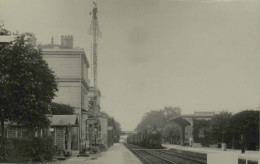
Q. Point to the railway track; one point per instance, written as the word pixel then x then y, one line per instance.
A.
pixel 196 157
pixel 181 158
pixel 160 156
pixel 151 158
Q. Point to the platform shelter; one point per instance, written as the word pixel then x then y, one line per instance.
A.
pixel 186 123
pixel 63 127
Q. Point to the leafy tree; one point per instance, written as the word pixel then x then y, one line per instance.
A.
pixel 220 124
pixel 159 118
pixel 170 112
pixel 118 130
pixel 61 109
pixel 150 119
pixel 3 115
pixel 3 31
pixel 170 131
pixel 27 84
pixel 202 132
pixel 246 123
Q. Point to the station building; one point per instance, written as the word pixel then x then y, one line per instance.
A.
pixel 86 127
pixel 70 65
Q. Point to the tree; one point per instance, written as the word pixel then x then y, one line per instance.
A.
pixel 27 84
pixel 61 109
pixel 159 118
pixel 3 115
pixel 150 119
pixel 246 123
pixel 170 131
pixel 202 132
pixel 170 112
pixel 220 124
pixel 118 130
pixel 3 31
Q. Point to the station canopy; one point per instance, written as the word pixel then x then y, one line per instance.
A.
pixel 180 120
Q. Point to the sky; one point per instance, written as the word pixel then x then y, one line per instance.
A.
pixel 197 55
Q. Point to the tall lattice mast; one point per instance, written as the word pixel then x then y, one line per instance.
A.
pixel 94 30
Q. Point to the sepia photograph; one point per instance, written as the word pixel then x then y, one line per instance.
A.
pixel 130 81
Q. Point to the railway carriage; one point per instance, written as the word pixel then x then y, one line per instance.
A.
pixel 146 139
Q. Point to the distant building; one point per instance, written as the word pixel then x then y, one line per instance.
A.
pixel 70 65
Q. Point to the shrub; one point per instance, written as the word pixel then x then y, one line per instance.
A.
pixel 206 139
pixel 14 150
pixel 42 149
pixel 17 150
pixel 61 109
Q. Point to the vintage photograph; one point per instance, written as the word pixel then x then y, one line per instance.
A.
pixel 130 81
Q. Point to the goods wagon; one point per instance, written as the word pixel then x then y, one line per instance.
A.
pixel 146 139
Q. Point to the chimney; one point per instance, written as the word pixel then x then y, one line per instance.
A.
pixel 67 41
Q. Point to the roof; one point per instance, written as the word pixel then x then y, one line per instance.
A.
pixel 182 119
pixel 57 47
pixel 182 116
pixel 191 116
pixel 64 120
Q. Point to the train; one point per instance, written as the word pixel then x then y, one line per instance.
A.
pixel 151 140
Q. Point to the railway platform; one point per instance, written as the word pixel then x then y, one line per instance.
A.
pixel 216 156
pixel 116 154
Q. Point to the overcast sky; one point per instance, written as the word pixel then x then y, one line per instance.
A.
pixel 197 55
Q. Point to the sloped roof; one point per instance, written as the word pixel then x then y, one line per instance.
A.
pixel 64 120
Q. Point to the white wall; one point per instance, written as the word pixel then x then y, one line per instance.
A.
pixel 69 93
pixel 64 66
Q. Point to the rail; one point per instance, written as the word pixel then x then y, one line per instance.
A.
pixel 194 158
pixel 152 156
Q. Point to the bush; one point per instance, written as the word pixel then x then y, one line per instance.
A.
pixel 17 150
pixel 14 150
pixel 42 149
pixel 61 109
